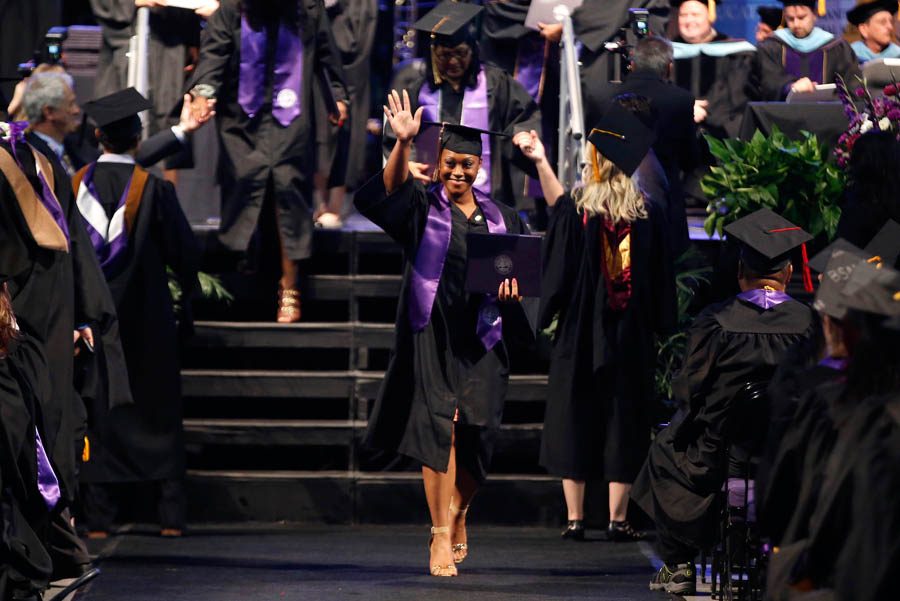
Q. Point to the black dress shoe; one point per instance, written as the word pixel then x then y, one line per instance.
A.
pixel 574 530
pixel 622 532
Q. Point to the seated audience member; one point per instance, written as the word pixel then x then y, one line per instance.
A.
pixel 871 200
pixel 138 232
pixel 676 146
pixel 854 510
pixel 769 20
pixel 875 22
pixel 716 69
pixel 732 343
pixel 800 56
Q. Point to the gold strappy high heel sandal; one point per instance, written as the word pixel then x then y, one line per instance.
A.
pixel 288 305
pixel 460 550
pixel 437 569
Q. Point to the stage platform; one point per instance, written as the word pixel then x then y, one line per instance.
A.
pixel 272 561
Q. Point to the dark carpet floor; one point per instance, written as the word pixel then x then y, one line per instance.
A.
pixel 261 562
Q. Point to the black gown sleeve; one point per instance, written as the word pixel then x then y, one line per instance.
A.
pixel 662 274
pixel 562 249
pixel 157 147
pixel 327 55
pixel 180 249
pixel 216 46
pixel 519 113
pixel 396 213
pixel 115 11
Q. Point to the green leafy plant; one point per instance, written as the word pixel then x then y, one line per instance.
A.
pixel 211 287
pixel 790 177
pixel 691 271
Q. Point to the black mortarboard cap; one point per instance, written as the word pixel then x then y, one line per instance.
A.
pixel 770 15
pixel 461 138
pixel 767 240
pixel 819 262
pixel 622 138
pixel 449 22
pixel 886 243
pixel 873 288
pixel 116 107
pixel 835 275
pixel 861 13
pixel 816 5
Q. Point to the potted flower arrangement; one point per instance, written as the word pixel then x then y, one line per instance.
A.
pixel 879 113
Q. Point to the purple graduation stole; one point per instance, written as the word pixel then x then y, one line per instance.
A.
pixel 429 265
pixel 763 298
pixel 48 483
pixel 474 114
pixel 287 83
pixel 47 223
pixel 529 71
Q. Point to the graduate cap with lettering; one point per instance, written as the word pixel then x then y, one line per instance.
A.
pixel 873 288
pixel 767 240
pixel 863 12
pixel 117 113
pixel 820 261
pixel 622 138
pixel 770 15
pixel 835 275
pixel 816 5
pixel 449 23
pixel 885 245
pixel 710 5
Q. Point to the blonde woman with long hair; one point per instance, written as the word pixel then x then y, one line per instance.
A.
pixel 607 279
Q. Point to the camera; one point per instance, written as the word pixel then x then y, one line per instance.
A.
pixel 50 52
pixel 640 21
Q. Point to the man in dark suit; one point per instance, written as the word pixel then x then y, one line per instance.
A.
pixel 676 145
pixel 55 130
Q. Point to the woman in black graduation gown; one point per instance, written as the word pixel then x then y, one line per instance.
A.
pixel 607 275
pixel 259 58
pixel 441 401
pixel 458 88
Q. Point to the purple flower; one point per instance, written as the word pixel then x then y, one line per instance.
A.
pixel 894 114
pixel 860 92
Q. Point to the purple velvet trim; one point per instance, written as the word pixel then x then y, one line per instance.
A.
pixel 288 74
pixel 837 364
pixel 46 195
pixel 765 299
pixel 48 484
pixel 794 64
pixel 474 114
pixel 109 252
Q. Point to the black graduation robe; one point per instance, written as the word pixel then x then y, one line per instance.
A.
pixel 503 37
pixel 599 21
pixel 510 110
pixel 726 82
pixel 862 218
pixel 779 66
pixel 260 152
pixel 56 293
pixel 730 343
pixel 172 32
pixel 24 387
pixel 444 367
pixel 144 441
pixel 602 361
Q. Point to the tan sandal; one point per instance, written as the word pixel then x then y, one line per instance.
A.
pixel 437 569
pixel 459 547
pixel 288 305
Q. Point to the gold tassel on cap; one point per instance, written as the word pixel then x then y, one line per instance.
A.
pixel 712 10
pixel 821 8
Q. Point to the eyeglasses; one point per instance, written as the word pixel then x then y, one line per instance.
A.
pixel 447 55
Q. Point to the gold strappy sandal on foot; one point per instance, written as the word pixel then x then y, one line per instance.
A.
pixel 460 550
pixel 288 305
pixel 437 569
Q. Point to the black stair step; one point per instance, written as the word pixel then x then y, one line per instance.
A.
pixel 213 383
pixel 346 287
pixel 261 335
pixel 309 432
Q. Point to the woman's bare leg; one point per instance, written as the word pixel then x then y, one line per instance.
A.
pixel 618 501
pixel 573 490
pixel 438 491
pixel 464 490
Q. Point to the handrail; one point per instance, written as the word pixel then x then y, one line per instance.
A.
pixel 571 109
pixel 138 55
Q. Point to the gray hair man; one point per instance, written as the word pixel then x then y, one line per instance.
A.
pixel 52 111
